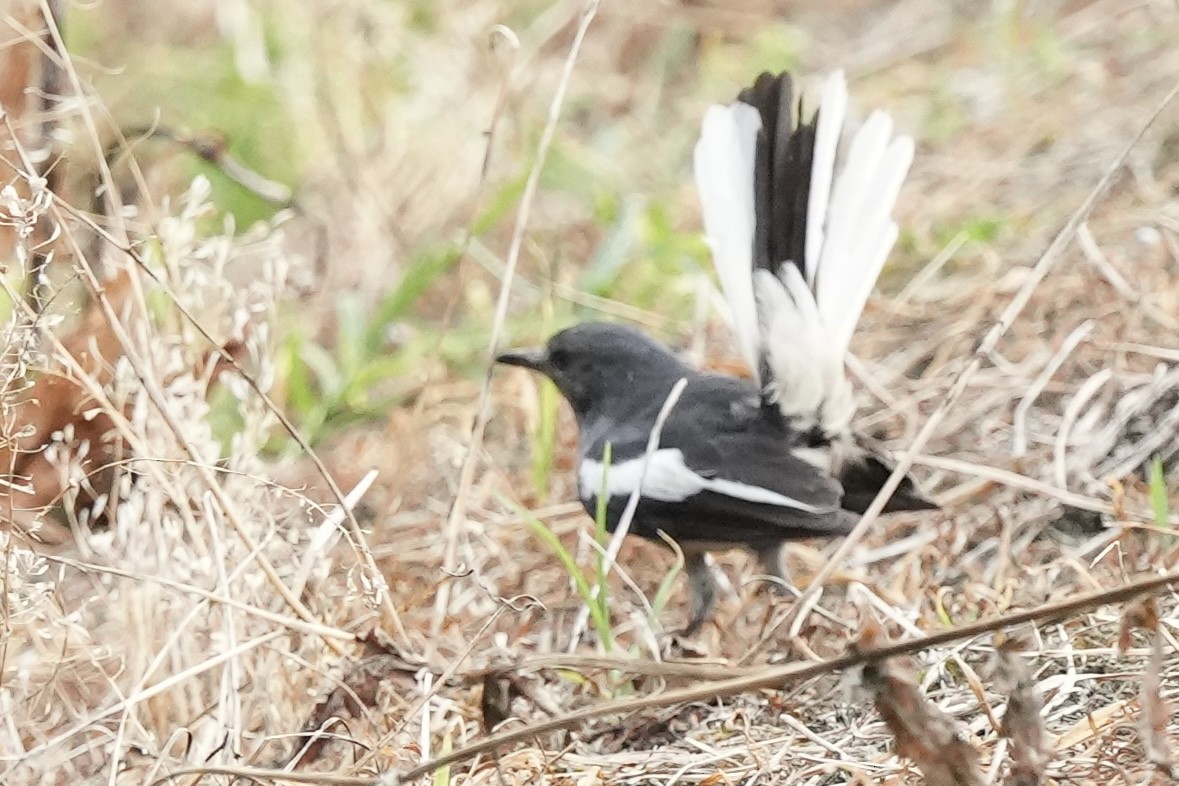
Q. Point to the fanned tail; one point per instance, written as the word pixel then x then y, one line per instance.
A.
pixel 797 245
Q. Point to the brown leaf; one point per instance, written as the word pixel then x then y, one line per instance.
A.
pixel 924 734
pixel 1022 723
pixel 58 403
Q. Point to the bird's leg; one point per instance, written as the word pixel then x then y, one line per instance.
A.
pixel 702 587
pixel 774 565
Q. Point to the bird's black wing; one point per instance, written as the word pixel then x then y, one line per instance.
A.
pixel 725 472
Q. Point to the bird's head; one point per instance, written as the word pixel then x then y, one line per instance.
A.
pixel 596 365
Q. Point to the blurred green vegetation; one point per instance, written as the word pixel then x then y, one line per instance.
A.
pixel 625 228
pixel 638 252
pixel 199 89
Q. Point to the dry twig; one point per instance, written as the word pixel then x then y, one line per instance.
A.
pixel 777 676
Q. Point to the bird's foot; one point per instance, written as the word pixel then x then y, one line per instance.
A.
pixel 703 592
pixel 776 576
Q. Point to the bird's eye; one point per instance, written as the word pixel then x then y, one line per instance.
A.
pixel 559 358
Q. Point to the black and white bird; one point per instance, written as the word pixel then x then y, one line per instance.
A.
pixel 798 245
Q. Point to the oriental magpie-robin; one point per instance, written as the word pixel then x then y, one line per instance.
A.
pixel 797 246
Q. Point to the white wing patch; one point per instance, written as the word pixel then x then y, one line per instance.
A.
pixel 670 479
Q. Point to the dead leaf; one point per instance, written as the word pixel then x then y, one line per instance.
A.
pixel 1022 723
pixel 923 733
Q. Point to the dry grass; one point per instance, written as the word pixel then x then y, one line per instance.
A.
pixel 223 610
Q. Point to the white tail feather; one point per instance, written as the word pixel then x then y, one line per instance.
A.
pixel 882 193
pixel 858 290
pixel 877 235
pixel 836 265
pixel 724 162
pixel 861 205
pixel 832 110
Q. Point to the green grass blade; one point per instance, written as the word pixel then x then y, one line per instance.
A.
pixel 600 619
pixel 422 271
pixel 1159 501
pixel 601 531
pixel 663 592
pixel 544 446
pixel 350 349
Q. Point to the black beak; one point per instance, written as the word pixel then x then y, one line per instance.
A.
pixel 535 358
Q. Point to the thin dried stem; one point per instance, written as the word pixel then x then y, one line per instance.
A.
pixel 778 676
pixel 458 508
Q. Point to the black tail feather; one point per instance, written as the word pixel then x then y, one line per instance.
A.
pixel 782 180
pixel 863 475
